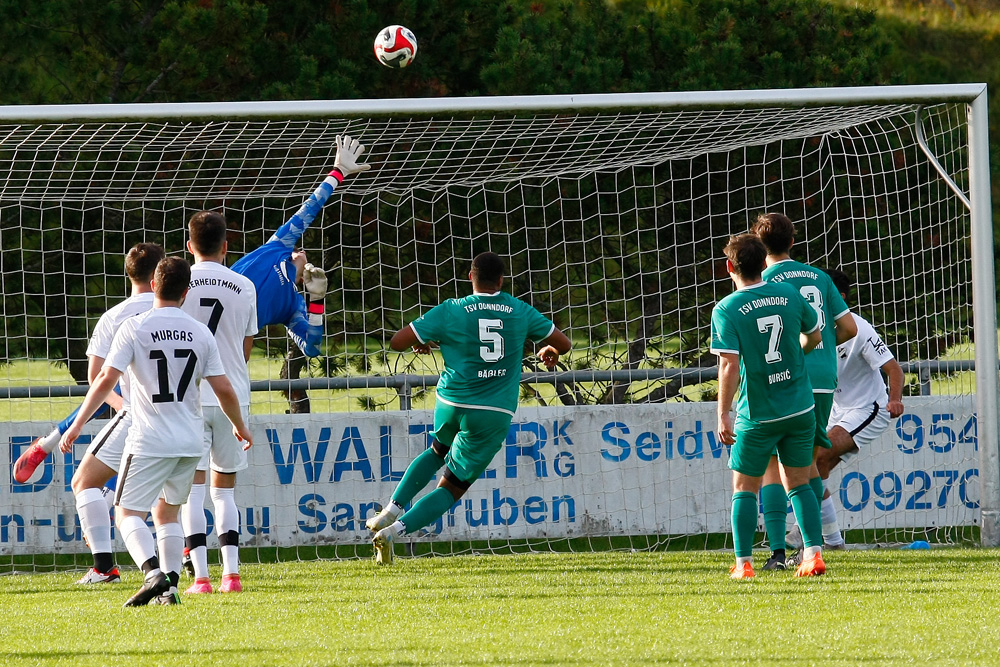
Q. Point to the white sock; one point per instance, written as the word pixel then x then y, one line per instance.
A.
pixel 393 509
pixel 740 560
pixel 109 498
pixel 831 529
pixel 809 552
pixel 94 520
pixel 227 518
pixel 398 528
pixel 194 523
pixel 170 541
pixel 138 540
pixel 50 442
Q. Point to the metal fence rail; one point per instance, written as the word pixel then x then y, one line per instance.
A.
pixel 406 383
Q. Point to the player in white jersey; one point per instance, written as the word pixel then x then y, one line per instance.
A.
pixel 101 461
pixel 862 406
pixel 226 302
pixel 167 353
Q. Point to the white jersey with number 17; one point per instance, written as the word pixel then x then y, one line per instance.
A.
pixel 226 303
pixel 168 353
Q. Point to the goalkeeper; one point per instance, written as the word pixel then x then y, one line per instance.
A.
pixel 274 268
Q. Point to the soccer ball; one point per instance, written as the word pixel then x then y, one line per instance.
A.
pixel 395 46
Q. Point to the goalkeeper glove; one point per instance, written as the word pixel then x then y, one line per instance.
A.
pixel 314 280
pixel 348 152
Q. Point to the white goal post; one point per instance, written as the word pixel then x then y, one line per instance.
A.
pixel 612 211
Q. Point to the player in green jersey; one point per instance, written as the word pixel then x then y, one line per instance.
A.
pixel 778 234
pixel 482 339
pixel 759 333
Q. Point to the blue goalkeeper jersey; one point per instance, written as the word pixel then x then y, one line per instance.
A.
pixel 270 269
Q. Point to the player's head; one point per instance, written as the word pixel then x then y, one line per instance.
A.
pixel 487 271
pixel 777 232
pixel 172 278
pixel 141 261
pixel 207 234
pixel 747 256
pixel 841 281
pixel 299 260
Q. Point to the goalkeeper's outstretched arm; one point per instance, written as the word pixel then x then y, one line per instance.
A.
pixel 346 164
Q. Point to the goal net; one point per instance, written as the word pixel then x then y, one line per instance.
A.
pixel 611 212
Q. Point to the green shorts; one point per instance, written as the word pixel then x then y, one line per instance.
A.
pixel 824 404
pixel 473 437
pixel 757 442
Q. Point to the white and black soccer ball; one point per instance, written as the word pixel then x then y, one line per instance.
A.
pixel 395 46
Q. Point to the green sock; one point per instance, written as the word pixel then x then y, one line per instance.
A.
pixel 427 509
pixel 816 483
pixel 744 522
pixel 807 515
pixel 775 506
pixel 417 474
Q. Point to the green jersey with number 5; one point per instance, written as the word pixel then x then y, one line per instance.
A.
pixel 761 323
pixel 818 289
pixel 482 339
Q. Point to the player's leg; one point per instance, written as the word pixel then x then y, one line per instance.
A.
pixel 98 466
pixel 140 480
pixel 821 441
pixel 850 430
pixel 40 448
pixel 481 434
pixel 774 505
pixel 195 527
pixel 166 518
pixel 796 459
pixel 195 524
pixel 422 469
pixel 227 459
pixel 748 460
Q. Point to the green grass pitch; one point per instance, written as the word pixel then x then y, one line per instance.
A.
pixel 879 607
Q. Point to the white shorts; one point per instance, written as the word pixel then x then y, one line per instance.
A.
pixel 141 479
pixel 222 449
pixel 864 424
pixel 108 446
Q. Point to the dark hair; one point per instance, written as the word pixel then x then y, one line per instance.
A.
pixel 207 230
pixel 776 231
pixel 747 254
pixel 141 261
pixel 173 275
pixel 487 269
pixel 841 280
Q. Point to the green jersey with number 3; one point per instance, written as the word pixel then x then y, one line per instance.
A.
pixel 818 289
pixel 482 339
pixel 761 323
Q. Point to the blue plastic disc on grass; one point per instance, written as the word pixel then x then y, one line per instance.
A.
pixel 918 544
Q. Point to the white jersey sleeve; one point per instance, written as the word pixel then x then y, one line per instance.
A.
pixel 859 363
pixel 225 302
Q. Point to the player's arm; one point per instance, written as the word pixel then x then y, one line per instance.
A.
pixel 306 326
pixel 230 405
pixel 94 365
pixel 894 372
pixel 555 344
pixel 247 347
pixel 345 164
pixel 845 327
pixel 96 395
pixel 406 338
pixel 729 382
pixel 810 340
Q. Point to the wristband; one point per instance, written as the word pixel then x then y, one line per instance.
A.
pixel 315 308
pixel 337 174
